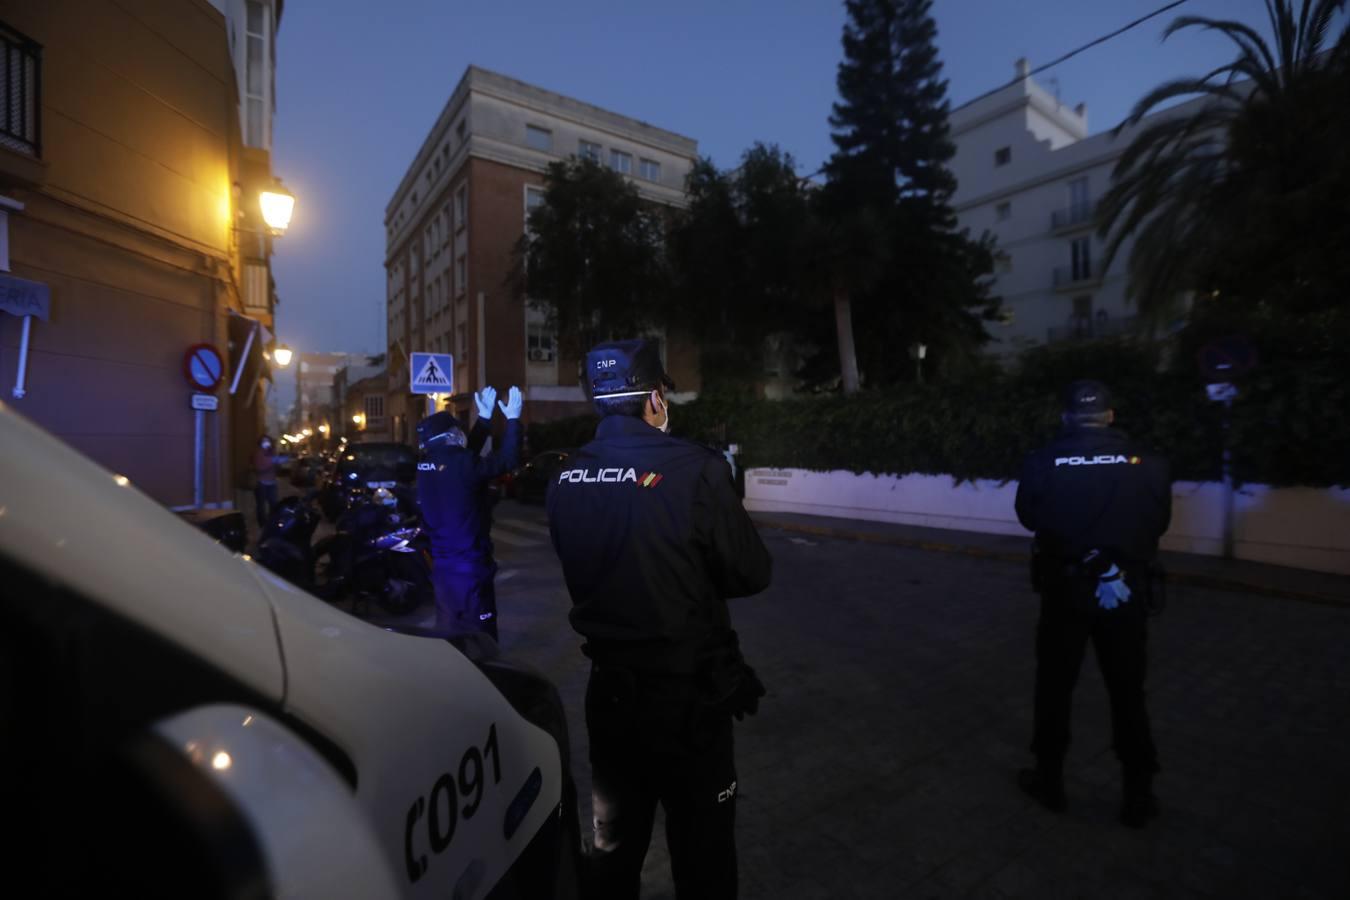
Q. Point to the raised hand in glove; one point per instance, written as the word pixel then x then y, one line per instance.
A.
pixel 485 400
pixel 514 403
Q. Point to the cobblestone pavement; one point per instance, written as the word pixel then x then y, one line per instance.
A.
pixel 882 763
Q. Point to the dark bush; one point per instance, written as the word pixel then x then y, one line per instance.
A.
pixel 1289 423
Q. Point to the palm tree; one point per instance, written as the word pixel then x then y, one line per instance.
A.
pixel 1242 195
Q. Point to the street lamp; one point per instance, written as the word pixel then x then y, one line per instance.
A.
pixel 358 420
pixel 323 429
pixel 307 432
pixel 277 204
pixel 918 352
pixel 282 355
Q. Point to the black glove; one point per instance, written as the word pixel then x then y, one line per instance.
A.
pixel 744 700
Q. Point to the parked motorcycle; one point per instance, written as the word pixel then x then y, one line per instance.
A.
pixel 284 545
pixel 380 553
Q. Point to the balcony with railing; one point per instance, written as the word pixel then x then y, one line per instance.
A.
pixel 1080 215
pixel 1086 328
pixel 20 93
pixel 1072 278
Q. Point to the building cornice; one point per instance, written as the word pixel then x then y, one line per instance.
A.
pixel 516 157
pixel 477 80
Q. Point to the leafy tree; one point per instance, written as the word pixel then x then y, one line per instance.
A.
pixel 896 255
pixel 1242 197
pixel 738 258
pixel 592 256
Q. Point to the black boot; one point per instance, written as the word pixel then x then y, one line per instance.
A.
pixel 1138 805
pixel 1045 784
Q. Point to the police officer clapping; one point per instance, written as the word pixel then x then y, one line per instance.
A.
pixel 653 540
pixel 452 491
pixel 1098 504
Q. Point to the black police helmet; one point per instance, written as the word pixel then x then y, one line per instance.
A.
pixel 439 428
pixel 1087 398
pixel 625 369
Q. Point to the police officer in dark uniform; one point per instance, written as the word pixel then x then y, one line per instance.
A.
pixel 457 511
pixel 1098 503
pixel 653 541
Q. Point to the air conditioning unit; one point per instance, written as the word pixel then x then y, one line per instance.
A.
pixel 539 354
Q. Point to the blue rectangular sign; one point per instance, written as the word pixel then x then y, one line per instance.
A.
pixel 432 373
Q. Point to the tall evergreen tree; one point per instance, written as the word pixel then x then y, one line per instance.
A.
pixel 890 126
pixel 923 280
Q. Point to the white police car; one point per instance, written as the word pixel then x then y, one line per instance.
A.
pixel 176 721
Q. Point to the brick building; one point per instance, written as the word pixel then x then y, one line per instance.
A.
pixel 453 223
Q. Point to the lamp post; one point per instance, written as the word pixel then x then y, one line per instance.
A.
pixel 918 352
pixel 276 204
pixel 282 355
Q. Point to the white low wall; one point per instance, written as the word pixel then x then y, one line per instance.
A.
pixel 1302 527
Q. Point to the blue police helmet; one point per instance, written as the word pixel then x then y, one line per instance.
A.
pixel 440 429
pixel 1087 398
pixel 625 369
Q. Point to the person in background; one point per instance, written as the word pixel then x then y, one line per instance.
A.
pixel 1098 503
pixel 264 480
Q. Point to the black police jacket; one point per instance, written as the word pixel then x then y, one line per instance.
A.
pixel 1094 488
pixel 452 492
pixel 653 540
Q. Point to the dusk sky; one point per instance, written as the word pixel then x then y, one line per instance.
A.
pixel 359 86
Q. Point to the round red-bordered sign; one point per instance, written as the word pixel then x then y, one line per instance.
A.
pixel 203 368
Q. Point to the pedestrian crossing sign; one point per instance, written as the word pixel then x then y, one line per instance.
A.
pixel 432 373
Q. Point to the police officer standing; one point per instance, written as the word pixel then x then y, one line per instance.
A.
pixel 1098 504
pixel 653 541
pixel 457 511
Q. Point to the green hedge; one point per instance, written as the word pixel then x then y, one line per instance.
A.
pixel 1289 425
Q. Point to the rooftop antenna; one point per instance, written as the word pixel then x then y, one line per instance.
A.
pixel 1053 80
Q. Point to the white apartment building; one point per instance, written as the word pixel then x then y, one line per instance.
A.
pixel 453 223
pixel 1028 171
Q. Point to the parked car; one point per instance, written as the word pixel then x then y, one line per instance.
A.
pixel 306 471
pixel 363 468
pixel 529 483
pixel 238 736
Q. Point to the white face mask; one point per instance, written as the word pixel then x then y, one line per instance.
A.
pixel 665 408
pixel 267 445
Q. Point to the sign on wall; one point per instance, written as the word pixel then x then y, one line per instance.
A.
pixel 21 297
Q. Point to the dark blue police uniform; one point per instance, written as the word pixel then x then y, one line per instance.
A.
pixel 1095 500
pixel 653 541
pixel 457 512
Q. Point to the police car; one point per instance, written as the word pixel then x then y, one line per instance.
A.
pixel 176 721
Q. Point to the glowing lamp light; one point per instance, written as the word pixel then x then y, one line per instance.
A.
pixel 282 355
pixel 323 429
pixel 307 432
pixel 221 761
pixel 277 205
pixel 358 419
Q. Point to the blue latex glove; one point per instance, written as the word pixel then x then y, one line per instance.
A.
pixel 514 403
pixel 485 399
pixel 1111 588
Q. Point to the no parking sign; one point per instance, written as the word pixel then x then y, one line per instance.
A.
pixel 202 367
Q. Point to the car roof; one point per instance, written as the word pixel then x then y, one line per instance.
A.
pixel 74 523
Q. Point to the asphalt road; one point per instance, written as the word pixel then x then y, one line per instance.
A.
pixel 882 763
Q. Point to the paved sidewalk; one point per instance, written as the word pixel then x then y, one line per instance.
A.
pixel 1182 568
